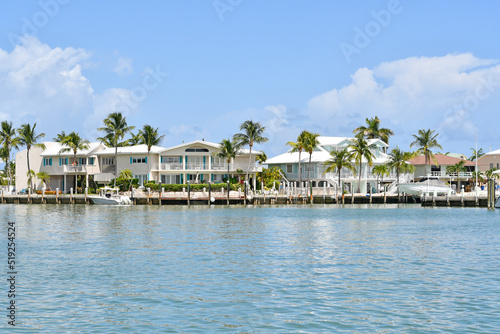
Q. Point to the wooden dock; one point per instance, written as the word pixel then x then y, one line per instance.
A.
pixel 438 201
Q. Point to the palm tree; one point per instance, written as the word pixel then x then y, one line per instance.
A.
pixel 373 130
pixel 28 137
pixel 261 158
pixel 60 137
pixel 475 154
pixel 150 137
pixel 253 134
pixel 228 150
pixel 135 139
pixel 479 175
pixel 380 171
pixel 298 147
pixel 489 174
pixel 457 169
pixel 74 142
pixel 339 160
pixel 360 149
pixel 398 160
pixel 30 174
pixel 425 141
pixel 44 177
pixel 115 128
pixel 8 140
pixel 310 143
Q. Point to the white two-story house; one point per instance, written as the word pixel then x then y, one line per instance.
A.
pixel 289 163
pixel 197 162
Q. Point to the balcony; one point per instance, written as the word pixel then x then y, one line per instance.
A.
pixel 462 175
pixel 78 169
pixel 171 166
pixel 204 167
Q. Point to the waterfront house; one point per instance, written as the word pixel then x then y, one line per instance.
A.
pixel 61 166
pixel 439 170
pixel 196 162
pixel 135 158
pixel 289 163
pixel 490 160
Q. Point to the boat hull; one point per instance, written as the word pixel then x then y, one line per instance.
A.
pixel 418 189
pixel 99 200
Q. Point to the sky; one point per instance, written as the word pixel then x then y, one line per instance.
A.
pixel 198 69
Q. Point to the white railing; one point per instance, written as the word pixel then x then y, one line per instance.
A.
pixel 444 174
pixel 75 169
pixel 170 166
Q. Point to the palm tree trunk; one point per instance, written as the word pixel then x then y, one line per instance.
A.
pixel 341 189
pixel 300 170
pixel 116 163
pixel 8 168
pixel 76 178
pixel 359 184
pixel 28 160
pixel 309 176
pixel 249 163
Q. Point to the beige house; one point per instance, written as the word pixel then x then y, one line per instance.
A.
pixel 196 162
pixel 61 166
pixel 490 160
pixel 135 158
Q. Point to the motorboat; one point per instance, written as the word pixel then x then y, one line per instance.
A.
pixel 110 196
pixel 427 185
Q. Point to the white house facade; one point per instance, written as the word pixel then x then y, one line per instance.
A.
pixel 289 163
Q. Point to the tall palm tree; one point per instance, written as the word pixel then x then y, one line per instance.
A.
pixel 149 136
pixel 339 160
pixel 380 171
pixel 457 169
pixel 489 174
pixel 8 140
pixel 135 139
pixel 228 149
pixel 360 149
pixel 475 154
pixel 372 130
pixel 115 128
pixel 398 161
pixel 425 141
pixel 310 143
pixel 60 137
pixel 28 137
pixel 73 143
pixel 253 134
pixel 298 146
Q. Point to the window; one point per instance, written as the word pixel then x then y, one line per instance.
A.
pixel 83 161
pixel 143 178
pixel 138 160
pixel 171 179
pixel 47 161
pixel 108 161
pixel 309 168
pixel 91 161
pixel 170 160
pixel 491 165
pixel 63 161
pixel 289 169
pixel 196 150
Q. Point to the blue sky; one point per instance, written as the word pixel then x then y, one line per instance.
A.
pixel 198 69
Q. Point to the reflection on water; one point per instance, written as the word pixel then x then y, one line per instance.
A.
pixel 261 270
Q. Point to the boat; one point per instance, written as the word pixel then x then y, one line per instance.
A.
pixel 110 196
pixel 427 185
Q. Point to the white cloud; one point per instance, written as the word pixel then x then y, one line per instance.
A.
pixel 450 94
pixel 44 85
pixel 123 66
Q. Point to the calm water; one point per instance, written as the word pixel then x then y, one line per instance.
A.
pixel 92 269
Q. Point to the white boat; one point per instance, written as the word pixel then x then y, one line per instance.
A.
pixel 427 185
pixel 110 196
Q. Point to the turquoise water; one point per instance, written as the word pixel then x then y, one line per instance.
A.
pixel 295 269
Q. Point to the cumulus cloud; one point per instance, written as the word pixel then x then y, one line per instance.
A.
pixel 450 94
pixel 46 85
